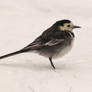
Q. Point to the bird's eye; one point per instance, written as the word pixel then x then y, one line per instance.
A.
pixel 68 25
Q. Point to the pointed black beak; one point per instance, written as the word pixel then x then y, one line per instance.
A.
pixel 76 26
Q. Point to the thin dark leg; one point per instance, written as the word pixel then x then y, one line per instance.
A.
pixel 51 62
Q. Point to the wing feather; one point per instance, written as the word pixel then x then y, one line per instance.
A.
pixel 38 44
pixel 54 42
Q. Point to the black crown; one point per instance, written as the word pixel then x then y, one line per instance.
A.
pixel 62 22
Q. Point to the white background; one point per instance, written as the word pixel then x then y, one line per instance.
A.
pixel 21 21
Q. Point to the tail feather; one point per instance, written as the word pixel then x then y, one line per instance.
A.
pixel 11 54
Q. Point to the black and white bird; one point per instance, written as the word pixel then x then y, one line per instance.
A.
pixel 54 42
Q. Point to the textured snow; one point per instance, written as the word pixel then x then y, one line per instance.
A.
pixel 21 21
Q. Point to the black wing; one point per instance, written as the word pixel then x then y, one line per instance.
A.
pixel 48 38
pixel 38 44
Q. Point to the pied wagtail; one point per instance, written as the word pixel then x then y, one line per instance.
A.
pixel 53 42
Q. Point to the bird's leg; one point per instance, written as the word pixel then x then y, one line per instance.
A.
pixel 51 62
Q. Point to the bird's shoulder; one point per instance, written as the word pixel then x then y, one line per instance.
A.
pixel 57 35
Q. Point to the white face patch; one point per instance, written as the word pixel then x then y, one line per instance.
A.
pixel 66 27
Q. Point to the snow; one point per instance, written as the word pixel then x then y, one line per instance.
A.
pixel 21 21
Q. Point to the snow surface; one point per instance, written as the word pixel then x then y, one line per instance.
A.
pixel 21 21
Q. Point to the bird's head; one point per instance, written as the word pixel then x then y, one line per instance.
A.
pixel 66 25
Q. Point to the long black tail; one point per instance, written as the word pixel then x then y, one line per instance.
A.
pixel 11 54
